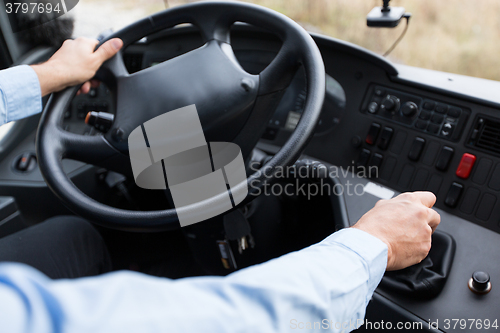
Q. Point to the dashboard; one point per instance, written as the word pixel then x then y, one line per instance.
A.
pixel 419 137
pixel 420 129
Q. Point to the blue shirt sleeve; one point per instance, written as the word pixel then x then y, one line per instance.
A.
pixel 326 285
pixel 20 93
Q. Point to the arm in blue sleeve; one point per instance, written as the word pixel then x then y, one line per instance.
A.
pixel 20 93
pixel 329 283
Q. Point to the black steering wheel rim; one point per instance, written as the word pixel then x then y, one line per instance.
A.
pixel 53 144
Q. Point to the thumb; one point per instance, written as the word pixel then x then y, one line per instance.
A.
pixel 109 49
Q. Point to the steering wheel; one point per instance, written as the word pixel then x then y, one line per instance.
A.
pixel 233 105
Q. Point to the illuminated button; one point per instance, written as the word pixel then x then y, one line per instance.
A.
pixel 372 134
pixel 24 162
pixel 465 166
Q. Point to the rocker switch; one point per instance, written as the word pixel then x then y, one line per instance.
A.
pixel 453 194
pixel 444 158
pixel 416 149
pixel 385 138
pixel 372 134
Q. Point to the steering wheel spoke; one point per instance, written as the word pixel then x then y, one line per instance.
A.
pixel 112 69
pixel 279 73
pixel 92 149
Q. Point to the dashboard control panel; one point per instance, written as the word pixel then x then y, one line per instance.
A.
pixel 418 112
pixel 413 141
pixel 465 182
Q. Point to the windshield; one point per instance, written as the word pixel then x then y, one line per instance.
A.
pixel 450 36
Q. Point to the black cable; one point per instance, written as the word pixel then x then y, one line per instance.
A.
pixel 407 17
pixel 385 7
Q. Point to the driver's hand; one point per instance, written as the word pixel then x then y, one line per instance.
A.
pixel 405 223
pixel 85 89
pixel 74 63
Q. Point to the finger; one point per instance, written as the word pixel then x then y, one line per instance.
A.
pixel 90 41
pixel 85 88
pixel 95 83
pixel 109 49
pixel 428 199
pixel 433 219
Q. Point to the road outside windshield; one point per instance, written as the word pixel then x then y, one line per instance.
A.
pixel 459 36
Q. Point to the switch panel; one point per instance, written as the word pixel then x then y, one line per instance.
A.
pixel 418 112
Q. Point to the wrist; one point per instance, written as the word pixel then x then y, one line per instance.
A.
pixel 50 77
pixel 390 257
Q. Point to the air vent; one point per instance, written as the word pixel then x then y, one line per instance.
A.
pixel 133 62
pixel 486 135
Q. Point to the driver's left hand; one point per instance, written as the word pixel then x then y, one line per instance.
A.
pixel 74 63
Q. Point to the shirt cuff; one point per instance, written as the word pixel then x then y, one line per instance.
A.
pixel 372 250
pixel 22 92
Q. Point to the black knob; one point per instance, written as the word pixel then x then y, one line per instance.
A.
pixel 480 282
pixel 390 103
pixel 356 141
pixel 409 109
pixel 118 134
pixel 100 120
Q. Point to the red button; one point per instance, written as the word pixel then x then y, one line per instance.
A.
pixel 372 134
pixel 465 166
